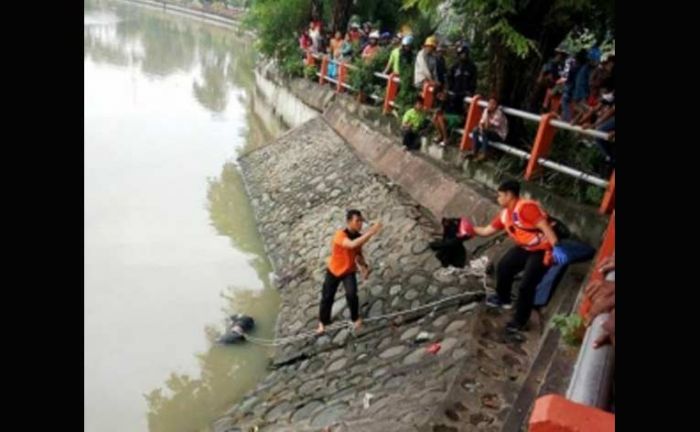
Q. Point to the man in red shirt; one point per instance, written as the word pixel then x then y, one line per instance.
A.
pixel 535 249
pixel 346 251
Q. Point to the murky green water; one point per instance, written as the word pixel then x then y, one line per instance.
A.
pixel 170 242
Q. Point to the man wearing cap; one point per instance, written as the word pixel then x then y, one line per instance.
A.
pixel 385 39
pixel 346 256
pixel 398 54
pixel 425 68
pixel 372 48
pixel 461 81
pixel 354 33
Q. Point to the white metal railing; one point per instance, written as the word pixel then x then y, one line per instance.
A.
pixel 548 163
pixel 537 118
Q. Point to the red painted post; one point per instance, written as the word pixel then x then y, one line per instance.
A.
pixel 342 74
pixel 324 69
pixel 540 148
pixel 554 413
pixel 310 60
pixel 392 88
pixel 608 203
pixel 428 88
pixel 606 249
pixel 472 120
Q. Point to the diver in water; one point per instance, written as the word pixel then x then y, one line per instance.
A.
pixel 240 325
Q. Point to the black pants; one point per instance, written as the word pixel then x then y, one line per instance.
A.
pixel 411 139
pixel 515 260
pixel 330 286
pixel 481 139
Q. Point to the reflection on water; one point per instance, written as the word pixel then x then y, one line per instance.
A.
pixel 191 404
pixel 171 246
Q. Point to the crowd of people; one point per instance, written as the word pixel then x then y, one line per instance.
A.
pixel 363 42
pixel 578 87
pixel 452 83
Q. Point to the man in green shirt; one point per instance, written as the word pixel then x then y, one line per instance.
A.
pixel 393 65
pixel 414 124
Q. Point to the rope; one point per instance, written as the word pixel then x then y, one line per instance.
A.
pixel 476 268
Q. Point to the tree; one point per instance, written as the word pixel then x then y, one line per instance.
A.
pixel 278 24
pixel 522 34
pixel 341 15
pixel 316 9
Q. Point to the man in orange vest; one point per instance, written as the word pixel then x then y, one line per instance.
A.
pixel 535 250
pixel 346 252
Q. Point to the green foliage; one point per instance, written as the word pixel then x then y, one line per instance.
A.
pixel 499 17
pixel 406 96
pixel 586 39
pixel 278 24
pixel 424 5
pixel 310 71
pixel 363 78
pixel 385 14
pixel 571 327
pixel 516 42
pixel 360 78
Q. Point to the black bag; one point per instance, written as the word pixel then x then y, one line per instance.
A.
pixel 560 229
pixel 450 251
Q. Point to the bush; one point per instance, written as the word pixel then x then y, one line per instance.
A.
pixel 310 72
pixel 363 78
pixel 571 327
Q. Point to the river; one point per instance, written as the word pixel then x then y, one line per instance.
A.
pixel 171 246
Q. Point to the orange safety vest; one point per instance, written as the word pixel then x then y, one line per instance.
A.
pixel 342 260
pixel 524 234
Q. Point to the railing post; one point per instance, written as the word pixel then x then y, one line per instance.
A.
pixel 342 73
pixel 391 90
pixel 607 248
pixel 472 120
pixel 428 87
pixel 540 148
pixel 310 60
pixel 324 69
pixel 608 203
pixel 554 413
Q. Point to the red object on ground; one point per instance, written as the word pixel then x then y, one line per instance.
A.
pixel 465 228
pixel 434 348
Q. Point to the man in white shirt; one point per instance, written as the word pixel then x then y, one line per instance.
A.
pixel 425 63
pixel 493 126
